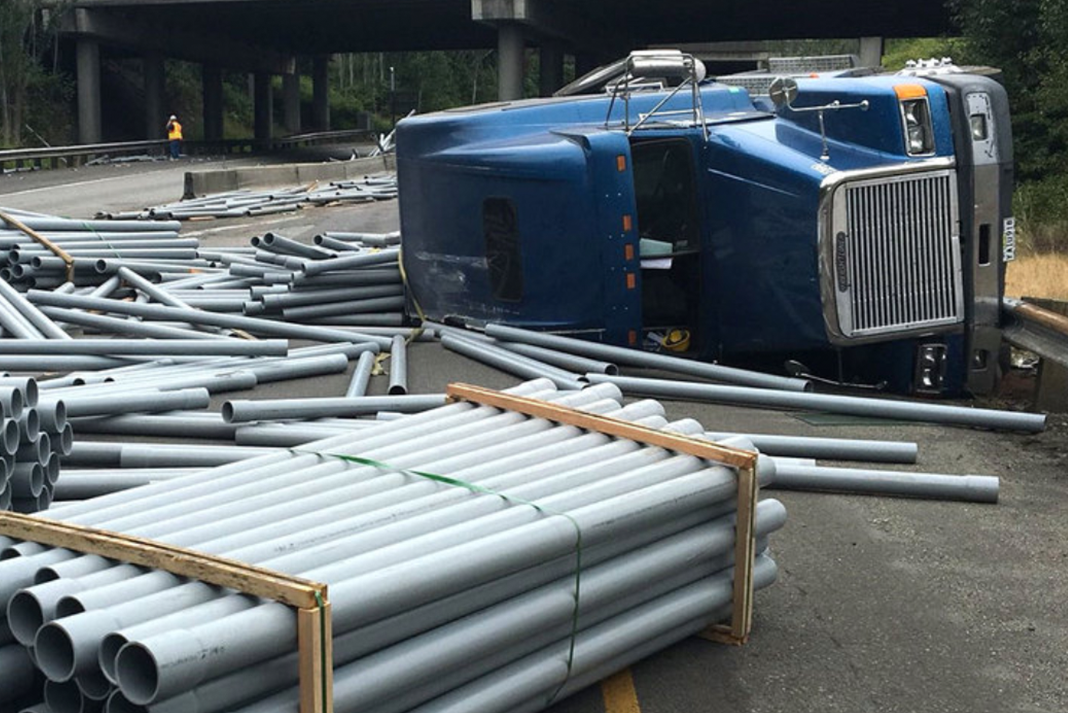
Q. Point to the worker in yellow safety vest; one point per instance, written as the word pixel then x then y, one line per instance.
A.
pixel 174 135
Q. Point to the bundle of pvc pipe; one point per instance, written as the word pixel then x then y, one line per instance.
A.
pixel 235 204
pixel 34 437
pixel 435 588
pixel 94 245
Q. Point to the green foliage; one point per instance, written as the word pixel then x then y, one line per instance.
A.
pixel 27 43
pixel 896 52
pixel 1028 41
pixel 1041 210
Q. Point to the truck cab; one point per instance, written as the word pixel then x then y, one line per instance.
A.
pixel 856 222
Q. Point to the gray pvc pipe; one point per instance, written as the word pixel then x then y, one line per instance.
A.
pixel 115 325
pixel 198 347
pixel 15 323
pixel 42 323
pixel 49 223
pixel 17 673
pixel 330 309
pixel 970 488
pixel 636 357
pixel 361 376
pixel 101 405
pixel 81 485
pixel 277 301
pixel 398 367
pixel 572 362
pixel 158 455
pixel 347 262
pixel 11 401
pixel 43 363
pixel 361 320
pixel 290 435
pixel 828 448
pixel 349 278
pixel 160 425
pixel 510 363
pixel 855 405
pixel 335 244
pixel 252 324
pixel 279 409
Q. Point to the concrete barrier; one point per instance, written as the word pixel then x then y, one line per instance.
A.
pixel 202 183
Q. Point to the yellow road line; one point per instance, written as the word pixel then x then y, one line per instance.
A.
pixel 619 694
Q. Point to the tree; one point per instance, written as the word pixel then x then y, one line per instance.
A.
pixel 27 43
pixel 1028 41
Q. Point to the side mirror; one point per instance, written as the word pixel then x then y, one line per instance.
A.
pixel 783 91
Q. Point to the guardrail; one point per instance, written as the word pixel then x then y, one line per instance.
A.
pixel 1045 333
pixel 71 156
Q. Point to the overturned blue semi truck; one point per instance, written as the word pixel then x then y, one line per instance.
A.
pixel 854 222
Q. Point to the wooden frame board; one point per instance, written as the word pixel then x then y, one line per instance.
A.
pixel 309 598
pixel 743 462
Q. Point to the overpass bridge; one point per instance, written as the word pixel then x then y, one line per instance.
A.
pixel 267 37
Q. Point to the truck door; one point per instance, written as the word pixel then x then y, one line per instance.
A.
pixel 668 225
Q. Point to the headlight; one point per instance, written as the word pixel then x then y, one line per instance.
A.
pixel 919 135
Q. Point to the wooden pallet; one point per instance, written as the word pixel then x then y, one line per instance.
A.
pixel 310 599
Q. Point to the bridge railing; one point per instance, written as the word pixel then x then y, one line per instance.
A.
pixel 80 154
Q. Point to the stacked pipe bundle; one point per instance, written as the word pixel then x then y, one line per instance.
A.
pixel 444 597
pixel 33 438
pixel 99 248
pixel 236 204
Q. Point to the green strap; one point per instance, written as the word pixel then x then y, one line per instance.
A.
pixel 482 490
pixel 94 232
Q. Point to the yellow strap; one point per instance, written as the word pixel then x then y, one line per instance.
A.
pixel 58 251
pixel 416 333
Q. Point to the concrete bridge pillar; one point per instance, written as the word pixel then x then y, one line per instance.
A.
pixel 321 93
pixel 88 61
pixel 291 101
pixel 871 51
pixel 211 87
pixel 550 68
pixel 262 105
pixel 511 61
pixel 155 89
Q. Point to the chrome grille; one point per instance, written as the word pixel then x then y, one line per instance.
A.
pixel 896 254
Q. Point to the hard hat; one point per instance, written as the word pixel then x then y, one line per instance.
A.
pixel 677 340
pixel 173 118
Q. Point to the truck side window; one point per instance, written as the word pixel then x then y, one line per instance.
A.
pixel 500 227
pixel 665 192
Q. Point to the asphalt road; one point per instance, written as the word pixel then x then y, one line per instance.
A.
pixel 882 604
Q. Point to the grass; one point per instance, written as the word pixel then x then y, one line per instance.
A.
pixel 1038 275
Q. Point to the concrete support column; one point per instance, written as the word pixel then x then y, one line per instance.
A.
pixel 291 101
pixel 550 68
pixel 211 87
pixel 155 88
pixel 88 59
pixel 510 61
pixel 321 93
pixel 262 105
pixel 871 51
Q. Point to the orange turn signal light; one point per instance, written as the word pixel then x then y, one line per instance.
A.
pixel 910 91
